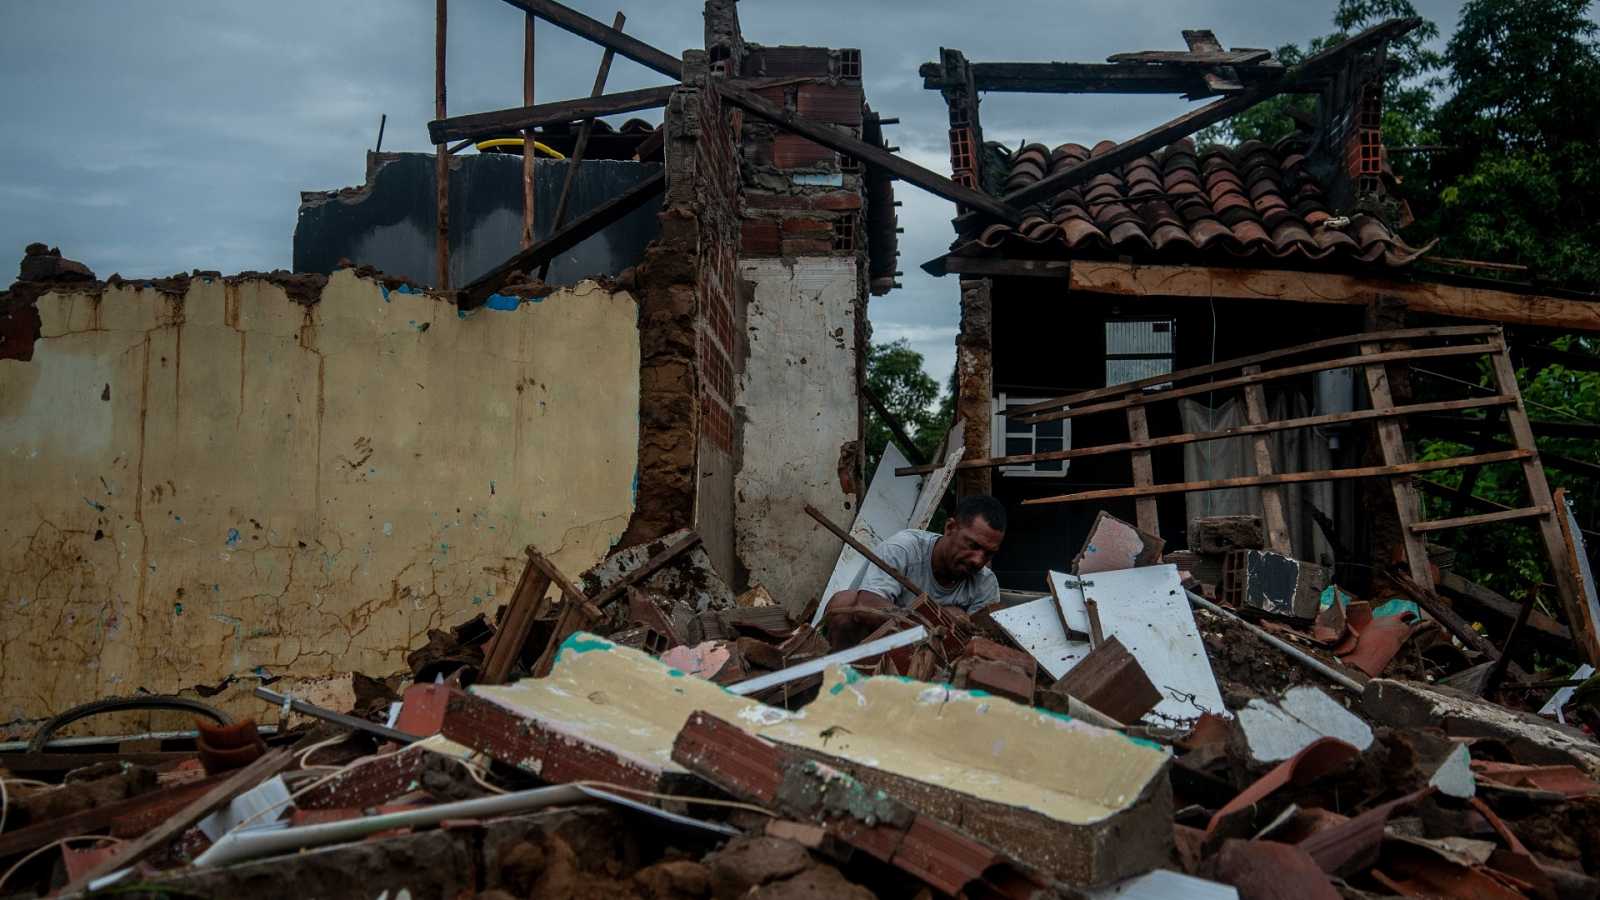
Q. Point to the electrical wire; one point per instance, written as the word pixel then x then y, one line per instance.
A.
pixel 306 753
pixel 59 842
pixel 1488 390
pixel 342 770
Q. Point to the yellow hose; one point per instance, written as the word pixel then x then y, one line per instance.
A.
pixel 517 142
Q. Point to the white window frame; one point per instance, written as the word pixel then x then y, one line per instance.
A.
pixel 1003 427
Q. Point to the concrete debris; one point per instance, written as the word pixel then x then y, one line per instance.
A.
pixel 1216 535
pixel 1114 544
pixel 1275 731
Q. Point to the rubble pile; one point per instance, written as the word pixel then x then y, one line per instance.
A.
pixel 1223 721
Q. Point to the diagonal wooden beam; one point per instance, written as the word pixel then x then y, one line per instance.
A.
pixel 477 293
pixel 581 146
pixel 1316 66
pixel 625 45
pixel 521 118
pixel 838 140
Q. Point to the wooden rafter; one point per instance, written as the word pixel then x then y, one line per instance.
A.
pixel 478 292
pixel 625 45
pixel 1094 78
pixel 843 142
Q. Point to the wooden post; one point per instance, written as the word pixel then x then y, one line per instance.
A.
pixel 1143 471
pixel 441 173
pixel 1392 442
pixel 1272 514
pixel 527 135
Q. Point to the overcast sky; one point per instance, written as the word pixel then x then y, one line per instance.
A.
pixel 161 136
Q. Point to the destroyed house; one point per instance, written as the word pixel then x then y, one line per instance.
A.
pixel 1164 254
pixel 296 476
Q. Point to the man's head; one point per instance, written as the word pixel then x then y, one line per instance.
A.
pixel 971 537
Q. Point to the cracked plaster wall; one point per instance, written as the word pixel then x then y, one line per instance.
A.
pixel 230 483
pixel 797 398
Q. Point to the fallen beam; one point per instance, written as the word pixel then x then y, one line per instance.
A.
pixel 843 657
pixel 1090 78
pixel 842 142
pixel 596 220
pixel 522 118
pixel 625 45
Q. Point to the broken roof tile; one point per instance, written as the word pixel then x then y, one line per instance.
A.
pixel 1253 200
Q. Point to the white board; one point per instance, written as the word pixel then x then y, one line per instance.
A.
pixel 938 481
pixel 887 508
pixel 1036 627
pixel 1145 608
pixel 1064 587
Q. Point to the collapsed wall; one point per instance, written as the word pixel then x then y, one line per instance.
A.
pixel 219 482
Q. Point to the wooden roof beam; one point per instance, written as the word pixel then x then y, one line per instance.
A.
pixel 519 118
pixel 842 142
pixel 1092 78
pixel 625 45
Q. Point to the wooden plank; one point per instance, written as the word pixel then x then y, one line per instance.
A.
pixel 501 122
pixel 1143 473
pixel 624 45
pixel 526 603
pixel 1315 66
pixel 864 550
pixel 1272 514
pixel 1504 515
pixel 1359 415
pixel 650 567
pixel 1224 484
pixel 990 266
pixel 1228 365
pixel 1441 612
pixel 1086 78
pixel 1142 399
pixel 1482 596
pixel 1202 59
pixel 1392 442
pixel 269 764
pixel 88 821
pixel 593 222
pixel 843 142
pixel 1583 618
pixel 1557 542
pixel 1202 283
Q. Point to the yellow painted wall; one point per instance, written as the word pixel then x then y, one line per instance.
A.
pixel 231 482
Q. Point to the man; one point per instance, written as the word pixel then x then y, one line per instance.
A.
pixel 951 568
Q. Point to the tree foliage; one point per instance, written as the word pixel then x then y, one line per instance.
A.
pixel 895 375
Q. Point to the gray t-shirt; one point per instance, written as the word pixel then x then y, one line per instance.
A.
pixel 911 551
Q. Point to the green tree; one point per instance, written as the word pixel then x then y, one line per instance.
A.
pixel 895 375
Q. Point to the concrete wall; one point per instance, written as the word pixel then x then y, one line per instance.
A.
pixel 231 483
pixel 798 403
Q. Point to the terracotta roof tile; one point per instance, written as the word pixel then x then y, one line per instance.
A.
pixel 1253 200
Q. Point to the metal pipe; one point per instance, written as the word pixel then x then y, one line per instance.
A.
pixel 328 715
pixel 1295 653
pixel 240 845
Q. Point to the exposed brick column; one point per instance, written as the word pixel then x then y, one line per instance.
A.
pixel 975 380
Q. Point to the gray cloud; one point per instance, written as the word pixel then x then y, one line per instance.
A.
pixel 149 138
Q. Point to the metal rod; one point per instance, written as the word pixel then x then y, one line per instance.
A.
pixel 328 715
pixel 441 173
pixel 1293 652
pixel 382 121
pixel 528 19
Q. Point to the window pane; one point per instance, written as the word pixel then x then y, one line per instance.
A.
pixel 1050 429
pixel 1050 465
pixel 1015 446
pixel 1047 445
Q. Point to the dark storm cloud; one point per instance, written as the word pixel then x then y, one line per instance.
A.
pixel 153 137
